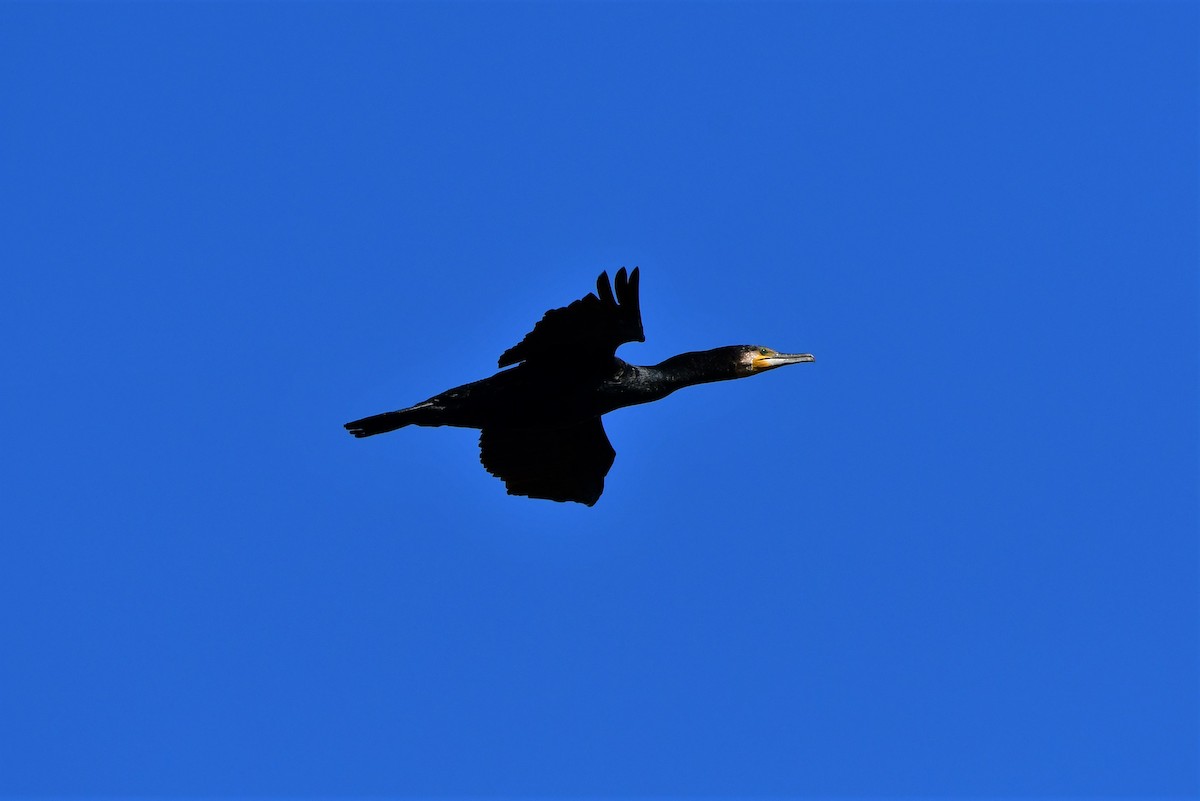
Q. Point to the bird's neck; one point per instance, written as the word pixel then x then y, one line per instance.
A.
pixel 645 383
pixel 688 369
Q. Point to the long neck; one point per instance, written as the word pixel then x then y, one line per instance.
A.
pixel 697 367
pixel 643 384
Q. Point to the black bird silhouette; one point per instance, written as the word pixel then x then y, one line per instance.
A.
pixel 541 430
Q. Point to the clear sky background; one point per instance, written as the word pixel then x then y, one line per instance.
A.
pixel 955 556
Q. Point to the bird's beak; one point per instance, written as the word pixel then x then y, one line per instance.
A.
pixel 780 359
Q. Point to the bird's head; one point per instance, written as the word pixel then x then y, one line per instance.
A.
pixel 754 359
pixel 722 364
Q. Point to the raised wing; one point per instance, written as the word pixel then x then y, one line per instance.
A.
pixel 590 328
pixel 558 464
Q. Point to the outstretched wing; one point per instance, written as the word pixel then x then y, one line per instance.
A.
pixel 558 464
pixel 591 328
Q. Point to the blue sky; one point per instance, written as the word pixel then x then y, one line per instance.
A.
pixel 955 556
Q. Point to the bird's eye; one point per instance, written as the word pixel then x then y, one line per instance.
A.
pixel 763 351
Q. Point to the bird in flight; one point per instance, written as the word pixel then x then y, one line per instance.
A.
pixel 540 420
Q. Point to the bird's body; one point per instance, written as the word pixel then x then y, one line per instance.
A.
pixel 540 420
pixel 527 396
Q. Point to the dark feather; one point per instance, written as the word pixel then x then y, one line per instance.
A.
pixel 588 331
pixel 557 464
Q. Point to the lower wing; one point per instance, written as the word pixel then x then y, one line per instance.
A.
pixel 557 464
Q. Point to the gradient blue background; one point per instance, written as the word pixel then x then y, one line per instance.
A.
pixel 955 556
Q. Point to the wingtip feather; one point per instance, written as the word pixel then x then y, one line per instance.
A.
pixel 605 289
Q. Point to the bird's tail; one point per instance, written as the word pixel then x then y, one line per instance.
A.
pixel 390 421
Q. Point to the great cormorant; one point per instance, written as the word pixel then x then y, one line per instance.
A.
pixel 541 430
